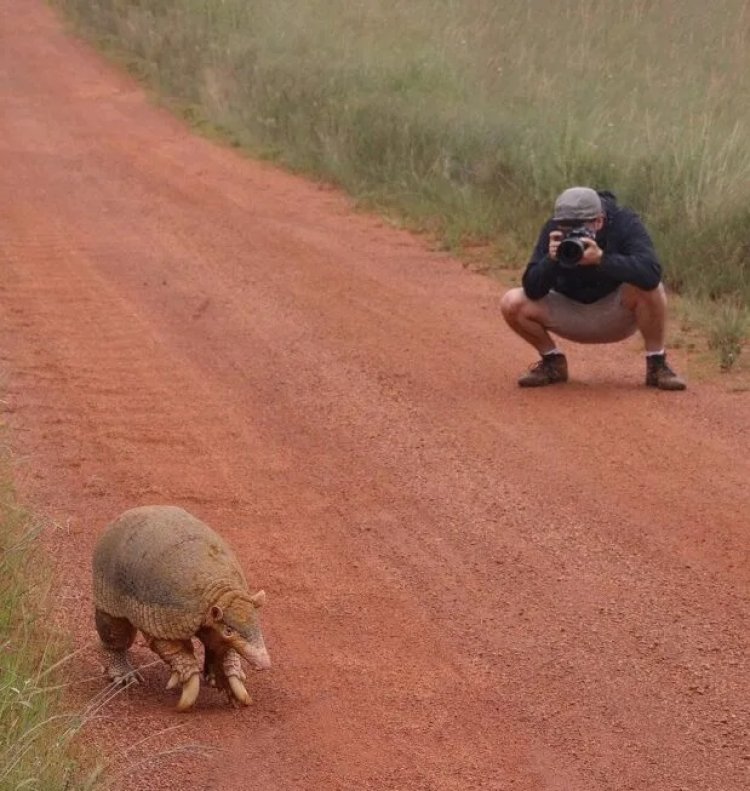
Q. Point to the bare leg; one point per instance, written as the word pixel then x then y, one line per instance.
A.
pixel 650 309
pixel 527 319
pixel 116 635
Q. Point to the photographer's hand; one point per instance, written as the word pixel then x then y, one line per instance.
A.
pixel 555 238
pixel 592 255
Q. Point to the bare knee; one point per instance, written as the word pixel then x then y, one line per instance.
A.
pixel 513 303
pixel 632 296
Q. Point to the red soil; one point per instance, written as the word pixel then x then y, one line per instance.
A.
pixel 470 586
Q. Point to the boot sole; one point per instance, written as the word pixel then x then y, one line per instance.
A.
pixel 543 384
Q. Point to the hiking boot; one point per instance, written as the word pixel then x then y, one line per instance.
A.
pixel 552 368
pixel 659 374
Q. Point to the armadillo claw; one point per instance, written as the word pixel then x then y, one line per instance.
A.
pixel 174 680
pixel 190 691
pixel 239 691
pixel 124 678
pixel 134 677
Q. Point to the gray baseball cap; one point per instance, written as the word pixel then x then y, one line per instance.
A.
pixel 577 203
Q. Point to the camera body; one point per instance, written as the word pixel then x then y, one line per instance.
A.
pixel 572 248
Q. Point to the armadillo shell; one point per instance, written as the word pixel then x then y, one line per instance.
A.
pixel 162 569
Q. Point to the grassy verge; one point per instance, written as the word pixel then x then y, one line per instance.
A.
pixel 37 737
pixel 467 117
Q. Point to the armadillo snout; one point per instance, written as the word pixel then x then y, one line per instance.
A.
pixel 257 656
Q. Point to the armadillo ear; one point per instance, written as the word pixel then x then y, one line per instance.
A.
pixel 259 599
pixel 216 612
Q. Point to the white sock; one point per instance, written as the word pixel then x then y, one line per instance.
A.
pixel 654 354
pixel 554 351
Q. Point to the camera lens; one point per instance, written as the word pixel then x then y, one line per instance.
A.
pixel 570 252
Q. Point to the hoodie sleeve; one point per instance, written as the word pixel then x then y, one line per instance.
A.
pixel 540 273
pixel 633 258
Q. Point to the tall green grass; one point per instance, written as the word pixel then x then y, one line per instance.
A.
pixel 37 735
pixel 469 116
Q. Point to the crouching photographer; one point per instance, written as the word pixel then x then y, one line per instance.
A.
pixel 593 277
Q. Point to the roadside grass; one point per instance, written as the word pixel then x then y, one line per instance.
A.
pixel 727 330
pixel 723 330
pixel 42 740
pixel 465 118
pixel 38 736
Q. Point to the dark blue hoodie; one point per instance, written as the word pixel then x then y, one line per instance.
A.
pixel 629 257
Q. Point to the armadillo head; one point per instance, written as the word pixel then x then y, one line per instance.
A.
pixel 236 625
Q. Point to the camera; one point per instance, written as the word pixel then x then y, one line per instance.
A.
pixel 572 248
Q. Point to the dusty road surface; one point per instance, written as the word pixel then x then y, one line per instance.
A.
pixel 470 586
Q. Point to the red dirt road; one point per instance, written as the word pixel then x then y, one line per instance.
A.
pixel 470 586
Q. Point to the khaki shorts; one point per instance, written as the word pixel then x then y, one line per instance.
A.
pixel 604 321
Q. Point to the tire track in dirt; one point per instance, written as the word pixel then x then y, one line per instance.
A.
pixel 470 586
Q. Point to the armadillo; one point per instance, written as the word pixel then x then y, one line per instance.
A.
pixel 161 571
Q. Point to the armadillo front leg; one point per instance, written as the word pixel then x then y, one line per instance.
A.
pixel 180 657
pixel 226 674
pixel 235 676
pixel 116 635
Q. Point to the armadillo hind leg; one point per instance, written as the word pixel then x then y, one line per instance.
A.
pixel 116 635
pixel 179 656
pixel 211 666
